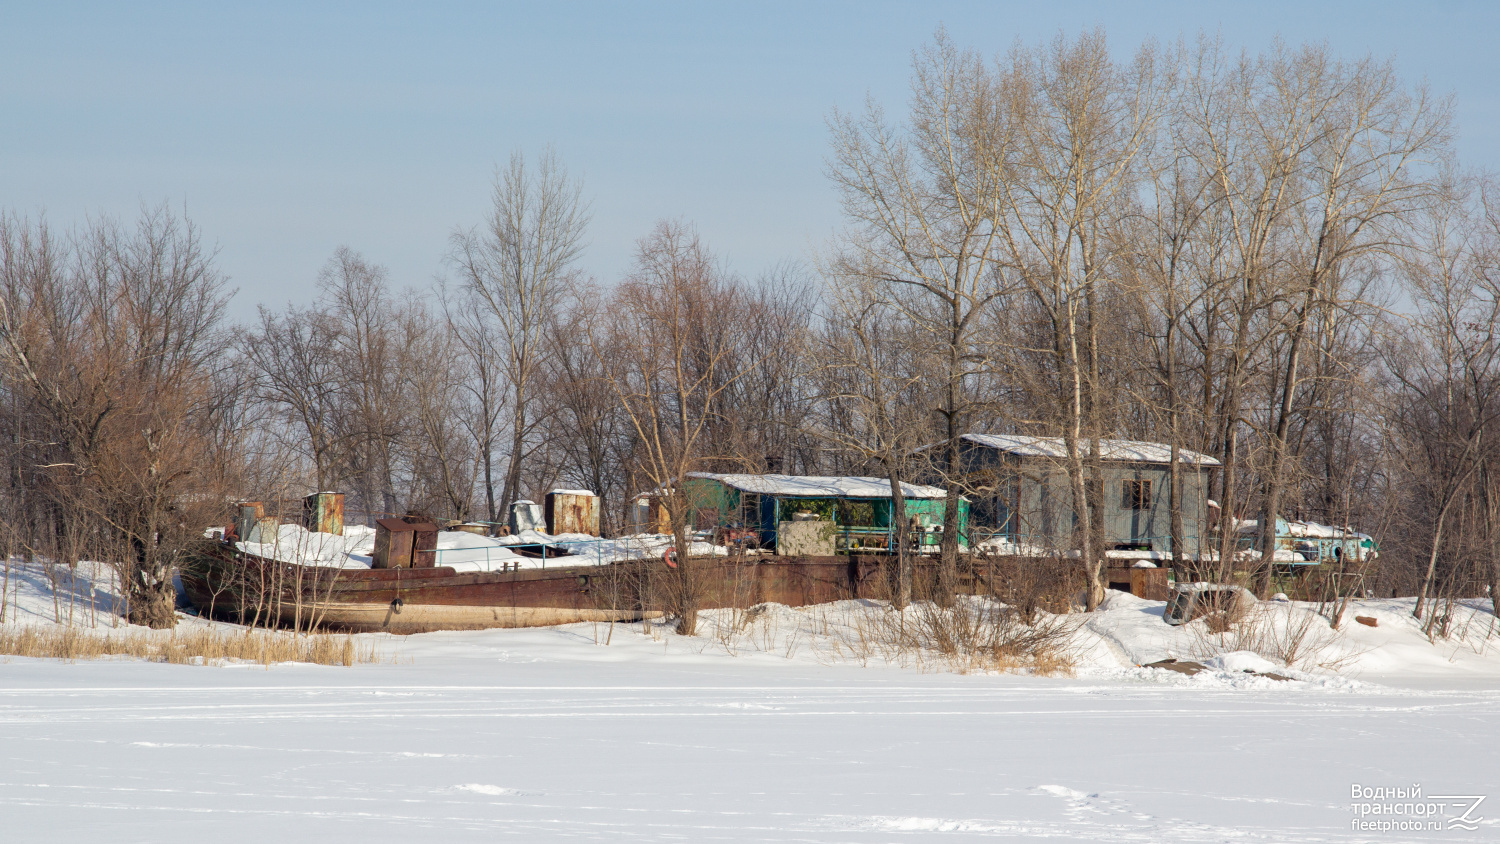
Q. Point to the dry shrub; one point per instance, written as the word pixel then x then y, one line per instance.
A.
pixel 1277 631
pixel 1475 629
pixel 1031 585
pixel 204 647
pixel 975 634
pixel 1224 622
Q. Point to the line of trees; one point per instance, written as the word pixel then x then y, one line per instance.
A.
pixel 1273 259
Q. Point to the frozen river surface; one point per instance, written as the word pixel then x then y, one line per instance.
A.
pixel 543 735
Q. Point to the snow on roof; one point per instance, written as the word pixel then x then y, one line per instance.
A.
pixel 818 486
pixel 1129 451
pixel 1300 530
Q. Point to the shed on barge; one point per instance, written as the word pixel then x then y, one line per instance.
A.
pixel 853 512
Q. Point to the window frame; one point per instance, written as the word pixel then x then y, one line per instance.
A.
pixel 1135 494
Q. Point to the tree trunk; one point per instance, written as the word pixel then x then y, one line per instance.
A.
pixel 1174 469
pixel 947 579
pixel 1437 540
pixel 901 599
pixel 152 600
pixel 1229 433
pixel 1489 556
pixel 1084 514
pixel 1491 545
pixel 1066 340
pixel 489 481
pixel 513 465
pixel 1174 480
pixel 1272 500
pixel 687 596
pixel 1094 533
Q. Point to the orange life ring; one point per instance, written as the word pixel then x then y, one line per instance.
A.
pixel 669 557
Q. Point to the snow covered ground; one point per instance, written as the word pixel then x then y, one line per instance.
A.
pixel 777 732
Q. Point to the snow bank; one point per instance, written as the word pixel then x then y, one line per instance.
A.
pixel 1242 661
pixel 38 593
pixel 1128 632
pixel 1006 548
pixel 296 544
pixel 468 552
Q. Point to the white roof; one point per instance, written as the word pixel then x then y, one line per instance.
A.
pixel 818 486
pixel 1307 530
pixel 1128 451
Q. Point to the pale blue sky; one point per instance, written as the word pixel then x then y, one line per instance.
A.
pixel 289 130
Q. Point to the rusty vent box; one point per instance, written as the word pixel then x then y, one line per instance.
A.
pixel 424 543
pixel 572 511
pixel 394 540
pixel 323 512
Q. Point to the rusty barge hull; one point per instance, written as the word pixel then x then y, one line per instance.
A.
pixel 424 618
pixel 250 589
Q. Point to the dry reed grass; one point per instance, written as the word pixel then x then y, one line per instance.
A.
pixel 192 647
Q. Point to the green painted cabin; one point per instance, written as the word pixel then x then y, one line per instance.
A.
pixel 859 507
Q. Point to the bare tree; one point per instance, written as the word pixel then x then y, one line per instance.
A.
pixel 1447 365
pixel 484 386
pixel 516 263
pixel 590 429
pixel 1167 256
pixel 921 203
pixel 371 352
pixel 1366 138
pixel 445 451
pixel 296 374
pixel 1249 134
pixel 869 372
pixel 670 356
pixel 113 339
pixel 1081 123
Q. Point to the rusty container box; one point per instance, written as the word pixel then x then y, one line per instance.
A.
pixel 572 511
pixel 394 541
pixel 1150 584
pixel 323 512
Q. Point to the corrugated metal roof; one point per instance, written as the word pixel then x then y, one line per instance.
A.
pixel 1128 451
pixel 819 486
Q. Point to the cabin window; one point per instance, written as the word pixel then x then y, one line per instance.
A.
pixel 856 513
pixel 749 515
pixel 1136 495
